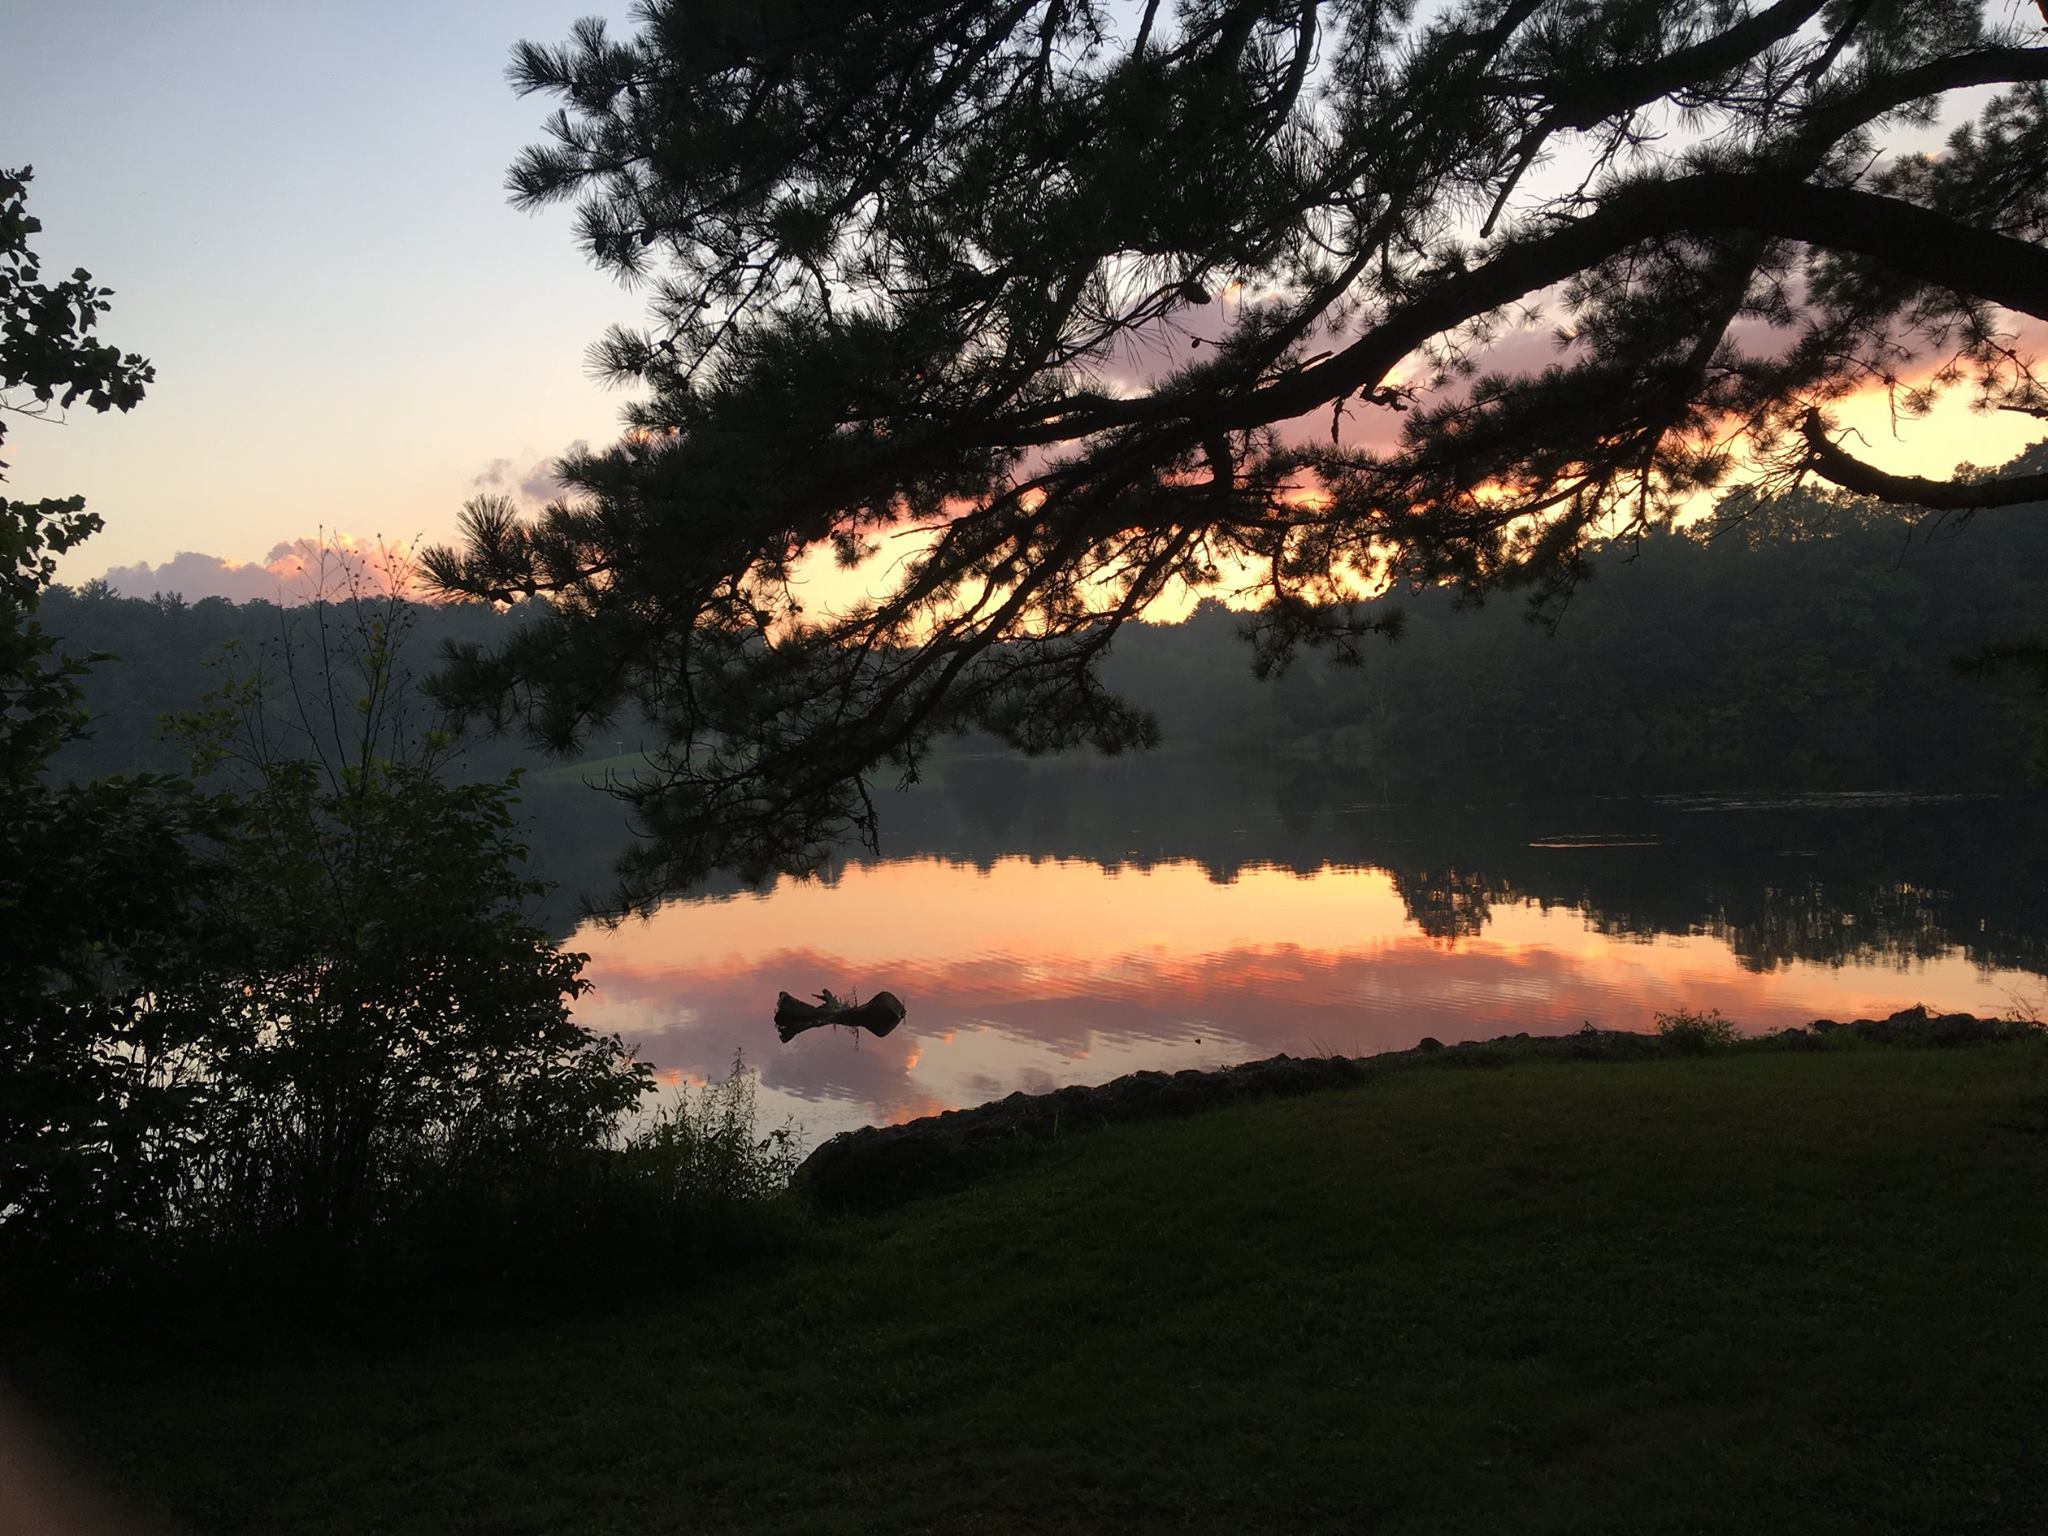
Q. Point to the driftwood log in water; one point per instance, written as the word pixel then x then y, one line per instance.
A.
pixel 878 1015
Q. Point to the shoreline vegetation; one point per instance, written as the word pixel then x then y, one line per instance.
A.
pixel 1605 1280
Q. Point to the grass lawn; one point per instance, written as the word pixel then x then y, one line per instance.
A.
pixel 1788 1291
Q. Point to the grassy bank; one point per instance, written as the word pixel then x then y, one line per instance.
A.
pixel 1743 1291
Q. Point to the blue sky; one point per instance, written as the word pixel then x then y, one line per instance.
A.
pixel 301 208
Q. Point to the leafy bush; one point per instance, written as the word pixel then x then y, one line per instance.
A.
pixel 391 1023
pixel 308 1002
pixel 97 882
pixel 392 1029
pixel 1693 1032
pixel 101 1022
pixel 309 1006
pixel 705 1150
pixel 698 1185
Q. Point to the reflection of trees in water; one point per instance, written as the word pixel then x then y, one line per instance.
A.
pixel 1835 883
pixel 1846 907
pixel 1446 904
pixel 1893 922
pixel 1941 878
pixel 1830 922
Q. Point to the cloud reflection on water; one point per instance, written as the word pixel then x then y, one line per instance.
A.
pixel 1038 973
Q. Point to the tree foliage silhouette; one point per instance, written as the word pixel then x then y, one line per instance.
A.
pixel 310 1004
pixel 388 1026
pixel 1068 304
pixel 50 360
pixel 95 880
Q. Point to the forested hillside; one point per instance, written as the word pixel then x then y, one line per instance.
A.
pixel 1809 645
pixel 168 655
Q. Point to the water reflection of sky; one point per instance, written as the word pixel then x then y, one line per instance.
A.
pixel 1037 973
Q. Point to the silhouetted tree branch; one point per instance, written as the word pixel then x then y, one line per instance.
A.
pixel 1851 473
pixel 1070 313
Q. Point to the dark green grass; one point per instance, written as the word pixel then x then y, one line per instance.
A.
pixel 1797 1291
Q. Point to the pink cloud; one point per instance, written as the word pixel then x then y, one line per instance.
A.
pixel 295 571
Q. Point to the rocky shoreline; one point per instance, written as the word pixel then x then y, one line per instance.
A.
pixel 879 1166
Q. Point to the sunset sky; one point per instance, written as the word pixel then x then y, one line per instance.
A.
pixel 302 211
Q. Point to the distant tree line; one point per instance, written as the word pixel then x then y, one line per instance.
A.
pixel 166 654
pixel 1805 642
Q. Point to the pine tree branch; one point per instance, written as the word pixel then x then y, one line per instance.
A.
pixel 1918 242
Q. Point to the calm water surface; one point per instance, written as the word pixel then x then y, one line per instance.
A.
pixel 1212 938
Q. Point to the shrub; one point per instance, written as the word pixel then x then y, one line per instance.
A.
pixel 298 1011
pixel 705 1150
pixel 95 882
pixel 390 1022
pixel 698 1185
pixel 391 1026
pixel 1693 1032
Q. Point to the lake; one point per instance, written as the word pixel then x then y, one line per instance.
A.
pixel 1059 922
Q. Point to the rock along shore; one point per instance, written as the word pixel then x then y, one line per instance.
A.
pixel 879 1166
